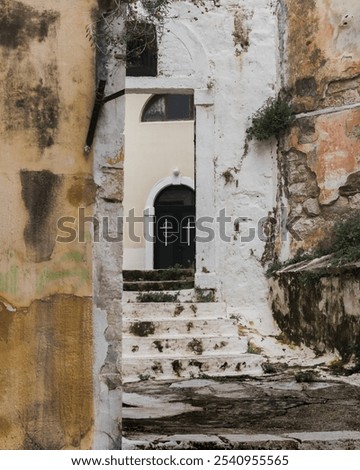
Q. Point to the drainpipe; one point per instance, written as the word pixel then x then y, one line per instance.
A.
pixel 100 100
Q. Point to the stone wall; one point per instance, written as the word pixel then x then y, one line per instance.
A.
pixel 318 171
pixel 320 309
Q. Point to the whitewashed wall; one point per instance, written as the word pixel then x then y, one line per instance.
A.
pixel 228 53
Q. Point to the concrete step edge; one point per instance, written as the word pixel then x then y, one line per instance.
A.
pixel 185 357
pixel 179 320
pixel 133 275
pixel 157 286
pixel 336 440
pixel 223 304
pixel 186 336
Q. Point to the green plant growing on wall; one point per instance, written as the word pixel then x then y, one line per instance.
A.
pixel 342 243
pixel 346 239
pixel 274 118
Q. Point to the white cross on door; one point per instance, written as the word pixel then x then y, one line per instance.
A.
pixel 166 227
pixel 188 229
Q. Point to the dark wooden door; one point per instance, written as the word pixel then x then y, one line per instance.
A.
pixel 174 228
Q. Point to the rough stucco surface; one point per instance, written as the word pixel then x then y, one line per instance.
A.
pixel 323 52
pixel 319 164
pixel 46 397
pixel 46 374
pixel 107 253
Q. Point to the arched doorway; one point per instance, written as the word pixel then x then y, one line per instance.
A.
pixel 174 227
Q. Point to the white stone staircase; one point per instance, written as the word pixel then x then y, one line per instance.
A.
pixel 185 338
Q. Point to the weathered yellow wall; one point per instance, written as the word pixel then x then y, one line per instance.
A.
pixel 46 95
pixel 321 156
pixel 46 374
pixel 322 51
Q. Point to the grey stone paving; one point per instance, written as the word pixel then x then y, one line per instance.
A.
pixel 263 413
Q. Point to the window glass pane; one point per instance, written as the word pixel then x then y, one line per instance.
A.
pixel 155 109
pixel 176 195
pixel 178 107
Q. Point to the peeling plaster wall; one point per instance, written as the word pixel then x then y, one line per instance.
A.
pixel 319 159
pixel 246 75
pixel 322 52
pixel 248 197
pixel 46 334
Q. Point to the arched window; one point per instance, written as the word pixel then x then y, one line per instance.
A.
pixel 169 108
pixel 178 195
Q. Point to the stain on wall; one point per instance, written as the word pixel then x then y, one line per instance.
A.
pixel 241 31
pixel 9 280
pixel 82 192
pixel 31 91
pixel 39 190
pixel 320 312
pixel 21 23
pixel 304 58
pixel 32 100
pixel 322 52
pixel 46 375
pixel 33 106
pixel 37 258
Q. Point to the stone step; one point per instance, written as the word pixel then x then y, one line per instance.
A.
pixel 171 274
pixel 174 367
pixel 185 295
pixel 178 326
pixel 331 440
pixel 158 286
pixel 157 311
pixel 187 346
